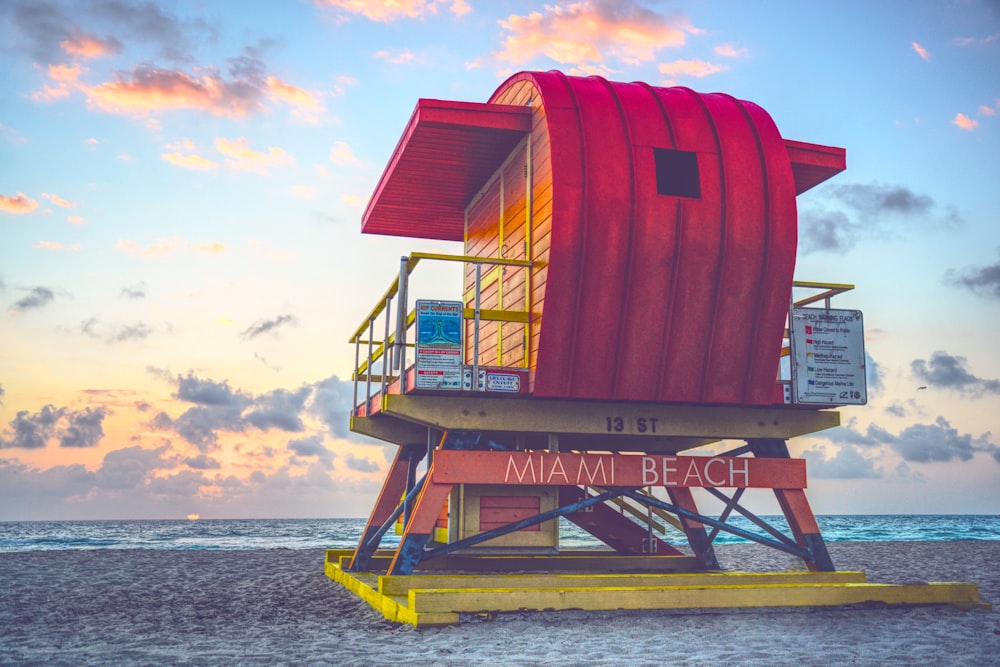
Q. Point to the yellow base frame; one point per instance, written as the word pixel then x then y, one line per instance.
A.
pixel 430 600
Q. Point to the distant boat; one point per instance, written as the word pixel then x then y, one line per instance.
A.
pixel 194 516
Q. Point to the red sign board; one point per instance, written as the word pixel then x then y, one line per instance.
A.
pixel 561 469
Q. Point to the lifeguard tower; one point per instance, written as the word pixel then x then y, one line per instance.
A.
pixel 628 305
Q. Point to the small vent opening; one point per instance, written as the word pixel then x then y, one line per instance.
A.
pixel 677 173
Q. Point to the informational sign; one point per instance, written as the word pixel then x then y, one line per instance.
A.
pixel 828 357
pixel 438 363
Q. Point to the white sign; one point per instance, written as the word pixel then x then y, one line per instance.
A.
pixel 438 363
pixel 828 357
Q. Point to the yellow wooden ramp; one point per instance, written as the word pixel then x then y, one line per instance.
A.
pixel 439 599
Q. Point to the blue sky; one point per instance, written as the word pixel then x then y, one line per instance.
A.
pixel 181 186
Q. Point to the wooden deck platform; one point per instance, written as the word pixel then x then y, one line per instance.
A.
pixel 438 598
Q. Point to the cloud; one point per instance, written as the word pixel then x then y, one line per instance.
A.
pixel 690 68
pixel 871 210
pixel 1 394
pixel 47 31
pixel 342 156
pixel 130 468
pixel 987 111
pixel 591 32
pixel 190 161
pixel 81 428
pixel 192 389
pixel 405 57
pixel 59 201
pixel 921 443
pixel 32 431
pixel 261 327
pixel 332 404
pixel 17 204
pixel 202 462
pixel 847 463
pixel 963 122
pixel 120 333
pixel 84 428
pixel 38 297
pixel 307 106
pixel 169 246
pixel 220 408
pixel 85 45
pixel 730 51
pixel 56 247
pixel 158 249
pixel 924 54
pixel 147 88
pixel 361 463
pixel 279 409
pixel 976 41
pixel 949 372
pixel 386 11
pixel 873 376
pixel 983 280
pixel 137 291
pixel 311 446
pixel 239 155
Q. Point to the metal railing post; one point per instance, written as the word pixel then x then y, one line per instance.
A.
pixel 368 368
pixel 475 331
pixel 385 343
pixel 399 356
pixel 357 364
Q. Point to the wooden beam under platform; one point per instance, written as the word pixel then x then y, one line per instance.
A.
pixel 643 422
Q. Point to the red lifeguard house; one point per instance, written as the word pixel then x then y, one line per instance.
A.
pixel 628 284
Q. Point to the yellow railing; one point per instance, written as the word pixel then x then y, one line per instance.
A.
pixel 391 349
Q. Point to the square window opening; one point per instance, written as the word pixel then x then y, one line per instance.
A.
pixel 677 173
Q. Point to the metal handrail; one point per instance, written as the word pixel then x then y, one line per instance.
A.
pixel 395 341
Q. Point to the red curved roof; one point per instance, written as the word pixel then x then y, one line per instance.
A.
pixel 662 297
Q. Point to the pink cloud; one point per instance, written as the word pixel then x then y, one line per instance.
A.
pixel 18 204
pixel 921 51
pixel 691 68
pixel 290 94
pixel 987 111
pixel 84 45
pixel 591 32
pixel 386 11
pixel 964 122
pixel 59 201
pixel 149 89
pixel 730 51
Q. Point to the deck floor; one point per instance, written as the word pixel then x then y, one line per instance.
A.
pixel 439 598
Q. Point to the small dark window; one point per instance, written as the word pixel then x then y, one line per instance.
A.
pixel 677 173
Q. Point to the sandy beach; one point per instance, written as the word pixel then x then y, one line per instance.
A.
pixel 277 607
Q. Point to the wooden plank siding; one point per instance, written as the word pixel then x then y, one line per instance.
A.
pixel 521 284
pixel 497 225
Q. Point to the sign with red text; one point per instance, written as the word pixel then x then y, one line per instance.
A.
pixel 828 357
pixel 438 363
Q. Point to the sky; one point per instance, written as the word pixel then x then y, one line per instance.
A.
pixel 181 263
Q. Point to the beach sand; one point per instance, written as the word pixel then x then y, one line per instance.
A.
pixel 277 607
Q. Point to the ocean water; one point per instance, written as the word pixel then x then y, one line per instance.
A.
pixel 236 534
